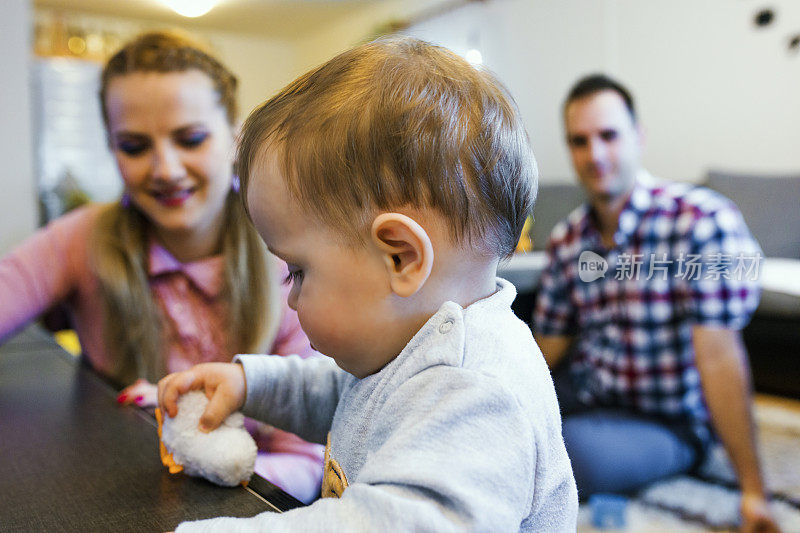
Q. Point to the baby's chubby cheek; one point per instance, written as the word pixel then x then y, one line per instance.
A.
pixel 325 338
pixel 336 343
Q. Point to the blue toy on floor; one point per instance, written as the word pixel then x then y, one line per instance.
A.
pixel 608 511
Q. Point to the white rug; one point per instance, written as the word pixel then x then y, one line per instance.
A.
pixel 710 501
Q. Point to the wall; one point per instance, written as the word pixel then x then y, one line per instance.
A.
pixel 321 44
pixel 17 200
pixel 713 91
pixel 263 66
pixel 716 91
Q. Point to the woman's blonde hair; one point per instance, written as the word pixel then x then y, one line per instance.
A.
pixel 133 326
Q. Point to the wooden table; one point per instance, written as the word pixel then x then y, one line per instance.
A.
pixel 71 459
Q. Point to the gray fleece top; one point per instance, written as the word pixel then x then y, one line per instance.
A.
pixel 460 432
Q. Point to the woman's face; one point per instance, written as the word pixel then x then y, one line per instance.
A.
pixel 174 148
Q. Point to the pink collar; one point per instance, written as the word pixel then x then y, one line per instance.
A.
pixel 206 274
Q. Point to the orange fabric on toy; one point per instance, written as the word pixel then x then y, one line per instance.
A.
pixel 166 457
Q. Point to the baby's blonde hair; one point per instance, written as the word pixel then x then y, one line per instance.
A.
pixel 400 122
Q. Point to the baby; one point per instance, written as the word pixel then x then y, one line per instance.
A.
pixel 392 180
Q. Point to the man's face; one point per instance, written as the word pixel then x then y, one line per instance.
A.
pixel 605 144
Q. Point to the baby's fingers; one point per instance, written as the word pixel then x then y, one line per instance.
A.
pixel 172 387
pixel 219 407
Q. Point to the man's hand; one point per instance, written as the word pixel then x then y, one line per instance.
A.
pixel 223 383
pixel 756 516
pixel 725 377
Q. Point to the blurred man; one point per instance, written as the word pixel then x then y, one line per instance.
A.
pixel 640 310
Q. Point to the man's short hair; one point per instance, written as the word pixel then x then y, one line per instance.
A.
pixel 400 122
pixel 595 83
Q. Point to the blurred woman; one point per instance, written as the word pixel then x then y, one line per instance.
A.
pixel 173 274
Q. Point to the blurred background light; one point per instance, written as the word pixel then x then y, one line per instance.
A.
pixel 474 56
pixel 191 8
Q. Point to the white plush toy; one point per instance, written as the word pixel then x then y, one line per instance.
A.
pixel 225 456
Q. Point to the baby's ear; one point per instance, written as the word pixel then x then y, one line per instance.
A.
pixel 406 249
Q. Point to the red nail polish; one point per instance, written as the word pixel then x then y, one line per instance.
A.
pixel 121 398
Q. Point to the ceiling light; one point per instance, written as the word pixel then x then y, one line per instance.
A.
pixel 474 56
pixel 191 8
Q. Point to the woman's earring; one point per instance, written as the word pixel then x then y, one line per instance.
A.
pixel 235 184
pixel 125 201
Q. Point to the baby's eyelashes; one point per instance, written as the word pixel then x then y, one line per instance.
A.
pixel 293 276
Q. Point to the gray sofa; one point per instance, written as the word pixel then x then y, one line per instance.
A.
pixel 770 206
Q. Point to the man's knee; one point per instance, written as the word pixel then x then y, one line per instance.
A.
pixel 614 452
pixel 589 464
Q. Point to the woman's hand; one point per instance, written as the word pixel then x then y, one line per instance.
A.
pixel 142 393
pixel 223 383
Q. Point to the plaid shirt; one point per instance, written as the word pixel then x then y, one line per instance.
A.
pixel 683 257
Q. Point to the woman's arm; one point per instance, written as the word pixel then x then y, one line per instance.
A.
pixel 44 270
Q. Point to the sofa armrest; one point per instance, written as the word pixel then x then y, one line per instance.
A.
pixel 780 282
pixel 523 270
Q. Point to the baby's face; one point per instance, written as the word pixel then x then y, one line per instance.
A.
pixel 341 293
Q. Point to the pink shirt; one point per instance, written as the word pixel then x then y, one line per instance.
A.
pixel 52 266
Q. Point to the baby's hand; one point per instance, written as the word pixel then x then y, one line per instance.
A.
pixel 223 383
pixel 142 393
